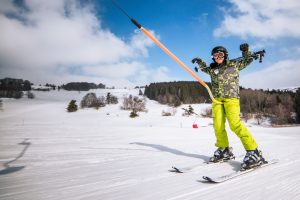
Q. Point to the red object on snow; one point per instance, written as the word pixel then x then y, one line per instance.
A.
pixel 195 126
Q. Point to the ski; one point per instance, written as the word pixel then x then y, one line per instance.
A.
pixel 183 169
pixel 220 179
pixel 192 167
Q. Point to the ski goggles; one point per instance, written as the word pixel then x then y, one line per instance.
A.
pixel 218 55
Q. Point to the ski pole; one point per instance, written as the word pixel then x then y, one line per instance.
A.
pixel 167 51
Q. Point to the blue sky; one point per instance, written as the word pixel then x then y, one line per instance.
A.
pixel 60 41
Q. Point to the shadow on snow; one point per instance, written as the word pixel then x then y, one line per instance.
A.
pixel 11 169
pixel 173 151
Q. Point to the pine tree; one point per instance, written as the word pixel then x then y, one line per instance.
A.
pixel 191 110
pixel 141 92
pixel 72 107
pixel 111 99
pixel 108 98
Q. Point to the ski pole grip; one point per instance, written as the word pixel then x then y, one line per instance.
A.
pixel 135 23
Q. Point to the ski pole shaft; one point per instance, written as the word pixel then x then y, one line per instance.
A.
pixel 167 51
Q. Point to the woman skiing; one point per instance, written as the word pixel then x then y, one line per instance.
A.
pixel 224 75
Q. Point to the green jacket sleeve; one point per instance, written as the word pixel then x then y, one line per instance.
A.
pixel 245 61
pixel 204 67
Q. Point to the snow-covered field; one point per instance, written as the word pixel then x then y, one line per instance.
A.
pixel 48 153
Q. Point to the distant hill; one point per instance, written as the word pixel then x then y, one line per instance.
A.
pixel 82 86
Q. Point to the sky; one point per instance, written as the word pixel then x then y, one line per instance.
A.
pixel 61 41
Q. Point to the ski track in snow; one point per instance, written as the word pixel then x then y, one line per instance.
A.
pixel 47 153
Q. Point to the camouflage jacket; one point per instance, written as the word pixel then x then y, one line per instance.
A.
pixel 225 77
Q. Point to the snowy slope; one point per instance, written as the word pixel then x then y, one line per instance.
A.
pixel 47 153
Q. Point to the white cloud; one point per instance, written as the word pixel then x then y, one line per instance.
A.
pixel 140 43
pixel 283 74
pixel 271 23
pixel 7 6
pixel 160 74
pixel 268 19
pixel 47 40
pixel 113 70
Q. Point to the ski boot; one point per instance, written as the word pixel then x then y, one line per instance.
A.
pixel 252 159
pixel 222 155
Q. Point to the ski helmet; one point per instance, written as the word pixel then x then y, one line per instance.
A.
pixel 219 49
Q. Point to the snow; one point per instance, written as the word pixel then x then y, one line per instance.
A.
pixel 48 153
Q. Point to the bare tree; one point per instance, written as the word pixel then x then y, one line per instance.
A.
pixel 90 100
pixel 135 104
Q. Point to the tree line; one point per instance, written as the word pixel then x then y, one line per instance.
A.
pixel 13 88
pixel 280 106
pixel 12 85
pixel 177 93
pixel 82 86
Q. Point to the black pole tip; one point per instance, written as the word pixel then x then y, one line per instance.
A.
pixel 136 23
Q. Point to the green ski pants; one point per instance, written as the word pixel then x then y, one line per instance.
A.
pixel 230 109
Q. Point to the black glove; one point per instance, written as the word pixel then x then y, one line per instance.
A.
pixel 196 60
pixel 199 61
pixel 244 47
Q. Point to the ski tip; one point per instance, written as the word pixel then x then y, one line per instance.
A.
pixel 175 169
pixel 208 179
